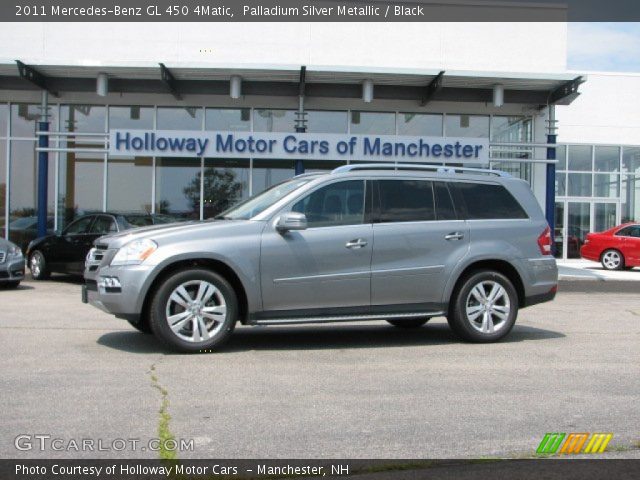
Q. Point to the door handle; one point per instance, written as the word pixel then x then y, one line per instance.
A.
pixel 357 243
pixel 454 236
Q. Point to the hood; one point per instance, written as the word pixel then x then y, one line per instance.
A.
pixel 169 232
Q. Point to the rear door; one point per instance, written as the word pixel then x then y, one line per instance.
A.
pixel 418 240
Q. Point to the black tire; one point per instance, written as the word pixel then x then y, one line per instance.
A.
pixel 409 323
pixel 10 285
pixel 141 325
pixel 612 259
pixel 160 304
pixel 39 271
pixel 472 330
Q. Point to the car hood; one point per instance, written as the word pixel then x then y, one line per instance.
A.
pixel 174 231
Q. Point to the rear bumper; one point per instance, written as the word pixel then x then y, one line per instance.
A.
pixel 589 253
pixel 540 280
pixel 540 298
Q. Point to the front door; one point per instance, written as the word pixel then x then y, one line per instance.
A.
pixel 324 269
pixel 418 240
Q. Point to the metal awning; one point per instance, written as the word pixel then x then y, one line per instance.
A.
pixel 324 81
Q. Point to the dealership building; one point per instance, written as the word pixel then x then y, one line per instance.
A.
pixel 186 119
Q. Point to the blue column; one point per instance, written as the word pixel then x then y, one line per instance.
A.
pixel 43 173
pixel 550 201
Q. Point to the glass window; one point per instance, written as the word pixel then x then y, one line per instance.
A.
pixel 579 184
pixel 405 201
pixel 24 118
pixel 131 117
pixel 580 158
pixel 605 216
pixel 420 124
pixel 561 156
pixel 83 118
pixel 311 166
pixel 80 226
pixel 274 120
pixel 513 129
pixel 3 185
pixel 517 169
pixel 561 184
pixel 559 230
pixel 373 123
pixel 319 121
pixel 606 185
pixel 227 119
pixel 473 126
pixel 129 184
pixel 178 187
pixel 24 180
pixel 104 224
pixel 341 203
pixel 226 183
pixel 630 196
pixel 631 160
pixel 607 159
pixel 444 202
pixel 180 118
pixel 80 185
pixel 4 113
pixel 267 173
pixel 489 201
pixel 577 227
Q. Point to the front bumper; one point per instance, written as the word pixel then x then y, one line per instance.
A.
pixel 12 270
pixel 116 290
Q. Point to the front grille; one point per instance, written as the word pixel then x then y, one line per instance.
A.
pixel 4 274
pixel 3 256
pixel 94 258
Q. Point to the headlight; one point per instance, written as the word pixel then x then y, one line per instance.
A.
pixel 14 250
pixel 134 253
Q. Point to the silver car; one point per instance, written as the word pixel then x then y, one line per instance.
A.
pixel 11 264
pixel 401 243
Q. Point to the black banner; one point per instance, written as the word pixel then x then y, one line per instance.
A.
pixel 566 469
pixel 319 11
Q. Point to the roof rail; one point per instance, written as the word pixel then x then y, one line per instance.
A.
pixel 409 166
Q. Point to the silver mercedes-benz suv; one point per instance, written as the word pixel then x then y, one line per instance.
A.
pixel 401 243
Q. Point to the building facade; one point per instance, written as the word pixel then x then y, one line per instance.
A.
pixel 505 92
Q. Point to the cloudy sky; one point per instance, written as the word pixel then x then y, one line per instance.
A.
pixel 604 46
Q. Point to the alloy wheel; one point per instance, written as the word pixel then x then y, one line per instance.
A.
pixel 35 265
pixel 611 260
pixel 488 307
pixel 196 311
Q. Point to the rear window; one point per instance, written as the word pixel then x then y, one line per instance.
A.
pixel 405 201
pixel 489 202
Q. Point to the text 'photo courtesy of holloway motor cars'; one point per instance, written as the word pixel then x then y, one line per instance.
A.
pixel 394 242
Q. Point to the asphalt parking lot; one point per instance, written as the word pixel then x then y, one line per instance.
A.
pixel 341 391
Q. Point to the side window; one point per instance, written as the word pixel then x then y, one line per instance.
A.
pixel 444 203
pixel 636 232
pixel 624 232
pixel 340 203
pixel 103 225
pixel 405 201
pixel 486 201
pixel 80 226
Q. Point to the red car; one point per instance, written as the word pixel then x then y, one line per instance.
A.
pixel 616 248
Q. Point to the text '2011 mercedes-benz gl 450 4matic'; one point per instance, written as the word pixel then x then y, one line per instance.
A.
pixel 401 243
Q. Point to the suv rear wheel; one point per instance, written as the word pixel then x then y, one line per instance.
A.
pixel 194 310
pixel 484 307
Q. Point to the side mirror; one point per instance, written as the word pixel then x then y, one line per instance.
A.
pixel 291 221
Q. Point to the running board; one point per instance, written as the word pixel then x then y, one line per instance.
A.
pixel 344 318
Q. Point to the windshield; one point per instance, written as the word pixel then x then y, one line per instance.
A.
pixel 259 203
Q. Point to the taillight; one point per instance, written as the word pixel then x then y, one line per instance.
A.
pixel 544 241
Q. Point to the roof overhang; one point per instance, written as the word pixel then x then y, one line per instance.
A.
pixel 278 80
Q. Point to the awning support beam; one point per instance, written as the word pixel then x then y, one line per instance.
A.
pixel 430 90
pixel 566 93
pixel 170 81
pixel 35 77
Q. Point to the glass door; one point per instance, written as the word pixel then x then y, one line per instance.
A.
pixel 605 216
pixel 578 226
pixel 559 233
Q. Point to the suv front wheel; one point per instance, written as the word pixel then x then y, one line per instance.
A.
pixel 484 307
pixel 194 311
